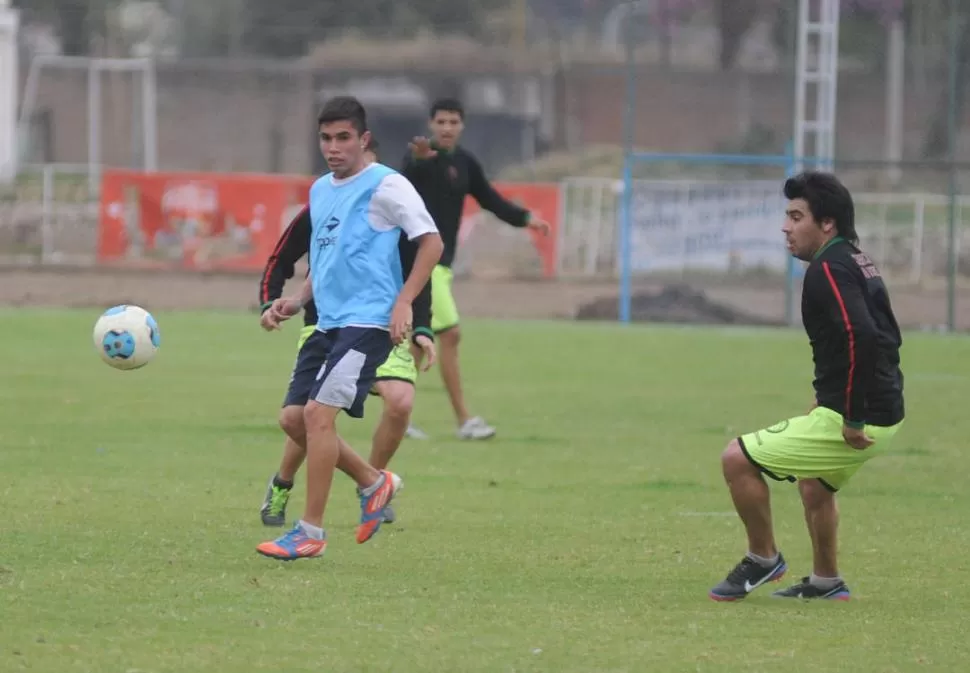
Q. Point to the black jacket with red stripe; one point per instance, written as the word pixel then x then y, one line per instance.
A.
pixel 854 336
pixel 295 243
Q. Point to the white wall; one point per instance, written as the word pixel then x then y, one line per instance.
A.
pixel 9 24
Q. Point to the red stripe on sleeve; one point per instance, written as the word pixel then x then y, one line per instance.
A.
pixel 849 330
pixel 274 258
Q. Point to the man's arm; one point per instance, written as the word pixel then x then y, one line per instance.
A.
pixel 489 199
pixel 281 265
pixel 281 309
pixel 842 293
pixel 306 294
pixel 422 303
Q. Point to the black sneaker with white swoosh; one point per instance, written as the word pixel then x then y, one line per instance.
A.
pixel 806 590
pixel 747 576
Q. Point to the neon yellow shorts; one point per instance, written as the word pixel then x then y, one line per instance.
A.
pixel 399 365
pixel 807 447
pixel 444 310
pixel 304 335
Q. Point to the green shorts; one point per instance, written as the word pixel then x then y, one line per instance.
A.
pixel 399 365
pixel 812 447
pixel 444 310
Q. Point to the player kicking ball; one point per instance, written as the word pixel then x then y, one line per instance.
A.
pixel 396 377
pixel 858 406
pixel 357 214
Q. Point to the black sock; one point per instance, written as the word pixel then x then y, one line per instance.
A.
pixel 279 483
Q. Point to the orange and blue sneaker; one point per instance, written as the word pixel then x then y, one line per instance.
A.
pixel 372 506
pixel 293 545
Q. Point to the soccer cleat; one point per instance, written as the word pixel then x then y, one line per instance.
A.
pixel 415 432
pixel 389 515
pixel 476 428
pixel 293 545
pixel 747 576
pixel 373 506
pixel 273 511
pixel 805 589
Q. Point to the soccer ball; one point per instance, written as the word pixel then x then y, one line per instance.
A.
pixel 126 337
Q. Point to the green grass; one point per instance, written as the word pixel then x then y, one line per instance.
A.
pixel 584 538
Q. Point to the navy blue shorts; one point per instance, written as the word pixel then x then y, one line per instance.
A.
pixel 338 367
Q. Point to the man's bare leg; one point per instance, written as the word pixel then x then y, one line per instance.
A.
pixel 294 453
pixel 451 372
pixel 323 452
pixel 822 520
pixel 752 501
pixel 398 399
pixel 350 463
pixel 469 427
pixel 273 510
pixel 308 539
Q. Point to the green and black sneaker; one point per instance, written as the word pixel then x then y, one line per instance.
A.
pixel 273 511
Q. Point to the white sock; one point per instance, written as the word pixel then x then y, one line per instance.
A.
pixel 313 532
pixel 372 489
pixel 763 561
pixel 824 582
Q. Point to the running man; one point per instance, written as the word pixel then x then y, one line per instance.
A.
pixel 858 405
pixel 357 213
pixel 395 377
pixel 444 173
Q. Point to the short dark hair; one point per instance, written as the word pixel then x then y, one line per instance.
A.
pixel 344 109
pixel 827 199
pixel 447 105
pixel 374 146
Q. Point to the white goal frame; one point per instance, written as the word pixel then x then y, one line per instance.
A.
pixel 95 67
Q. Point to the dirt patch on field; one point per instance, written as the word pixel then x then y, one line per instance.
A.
pixel 674 304
pixel 477 297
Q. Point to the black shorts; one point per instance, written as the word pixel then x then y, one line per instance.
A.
pixel 338 367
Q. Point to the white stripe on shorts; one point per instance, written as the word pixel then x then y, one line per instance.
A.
pixel 340 387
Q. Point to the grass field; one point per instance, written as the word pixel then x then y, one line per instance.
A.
pixel 583 539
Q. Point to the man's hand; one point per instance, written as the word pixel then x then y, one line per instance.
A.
pixel 430 353
pixel 401 318
pixel 282 309
pixel 539 225
pixel 421 148
pixel 268 320
pixel 856 438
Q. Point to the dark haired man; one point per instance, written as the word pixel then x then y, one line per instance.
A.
pixel 358 212
pixel 395 377
pixel 444 173
pixel 858 406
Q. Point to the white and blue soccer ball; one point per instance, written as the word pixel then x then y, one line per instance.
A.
pixel 126 337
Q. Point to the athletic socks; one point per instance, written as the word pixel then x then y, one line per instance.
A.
pixel 763 561
pixel 313 532
pixel 824 583
pixel 372 489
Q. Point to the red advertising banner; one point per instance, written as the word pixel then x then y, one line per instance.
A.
pixel 213 221
pixel 542 200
